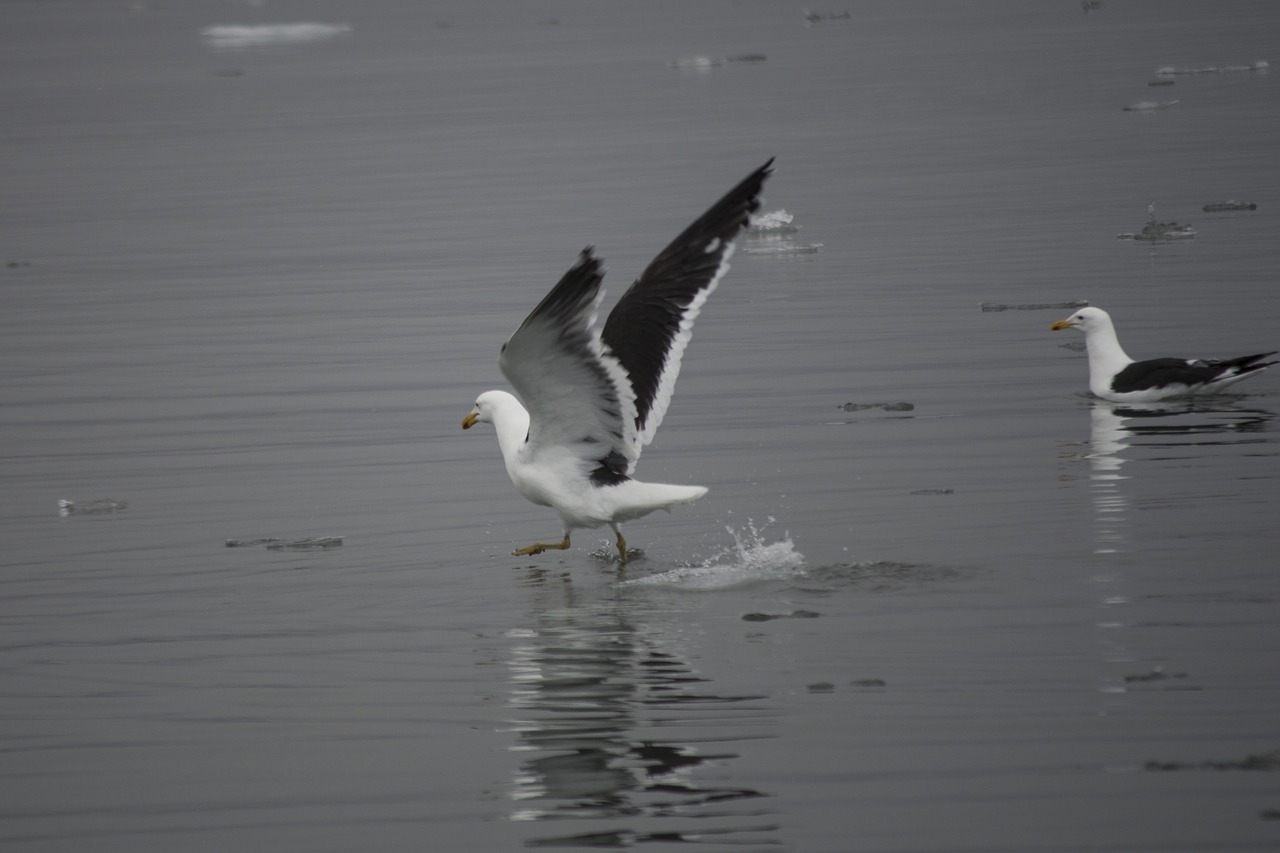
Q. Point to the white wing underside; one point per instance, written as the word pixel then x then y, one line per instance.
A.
pixel 578 396
pixel 601 393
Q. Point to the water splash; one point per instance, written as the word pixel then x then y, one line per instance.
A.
pixel 750 559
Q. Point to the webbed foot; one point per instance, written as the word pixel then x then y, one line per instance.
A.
pixel 539 547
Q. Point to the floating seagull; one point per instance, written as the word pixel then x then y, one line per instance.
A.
pixel 593 398
pixel 1114 376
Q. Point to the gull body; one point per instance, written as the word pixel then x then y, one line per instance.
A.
pixel 589 400
pixel 1114 376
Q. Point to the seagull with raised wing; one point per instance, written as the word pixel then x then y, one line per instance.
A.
pixel 1114 376
pixel 589 400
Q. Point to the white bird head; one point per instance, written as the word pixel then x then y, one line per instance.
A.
pixel 1086 320
pixel 483 411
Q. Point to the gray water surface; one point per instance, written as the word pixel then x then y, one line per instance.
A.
pixel 252 279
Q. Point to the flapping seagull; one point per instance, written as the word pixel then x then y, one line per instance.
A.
pixel 1115 376
pixel 590 400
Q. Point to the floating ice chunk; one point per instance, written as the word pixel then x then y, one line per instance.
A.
pixel 1158 232
pixel 309 543
pixel 773 222
pixel 1169 70
pixel 1228 206
pixel 243 36
pixel 1033 306
pixel 787 248
pixel 888 407
pixel 1154 231
pixel 706 63
pixel 770 234
pixel 818 17
pixel 696 63
pixel 98 506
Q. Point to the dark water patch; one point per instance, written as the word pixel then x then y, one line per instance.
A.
pixel 1156 674
pixel 859 683
pixel 882 576
pixel 769 617
pixel 1263 761
pixel 888 407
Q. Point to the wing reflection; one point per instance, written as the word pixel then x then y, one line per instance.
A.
pixel 617 729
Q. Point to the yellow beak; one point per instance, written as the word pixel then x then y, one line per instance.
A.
pixel 1059 325
pixel 470 420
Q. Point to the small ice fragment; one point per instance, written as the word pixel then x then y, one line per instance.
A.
pixel 1228 206
pixel 785 249
pixel 1154 232
pixel 1032 306
pixel 312 543
pixel 99 506
pixel 773 222
pixel 272 543
pixel 244 36
pixel 888 407
pixel 817 17
pixel 696 63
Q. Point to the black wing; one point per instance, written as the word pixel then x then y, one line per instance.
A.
pixel 651 325
pixel 1172 372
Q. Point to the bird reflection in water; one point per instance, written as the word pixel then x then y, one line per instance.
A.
pixel 1144 436
pixel 1107 440
pixel 1169 427
pixel 616 729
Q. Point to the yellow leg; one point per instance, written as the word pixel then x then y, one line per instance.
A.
pixel 539 547
pixel 622 549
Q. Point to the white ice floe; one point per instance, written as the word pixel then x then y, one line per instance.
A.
pixel 773 222
pixel 1148 106
pixel 242 36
